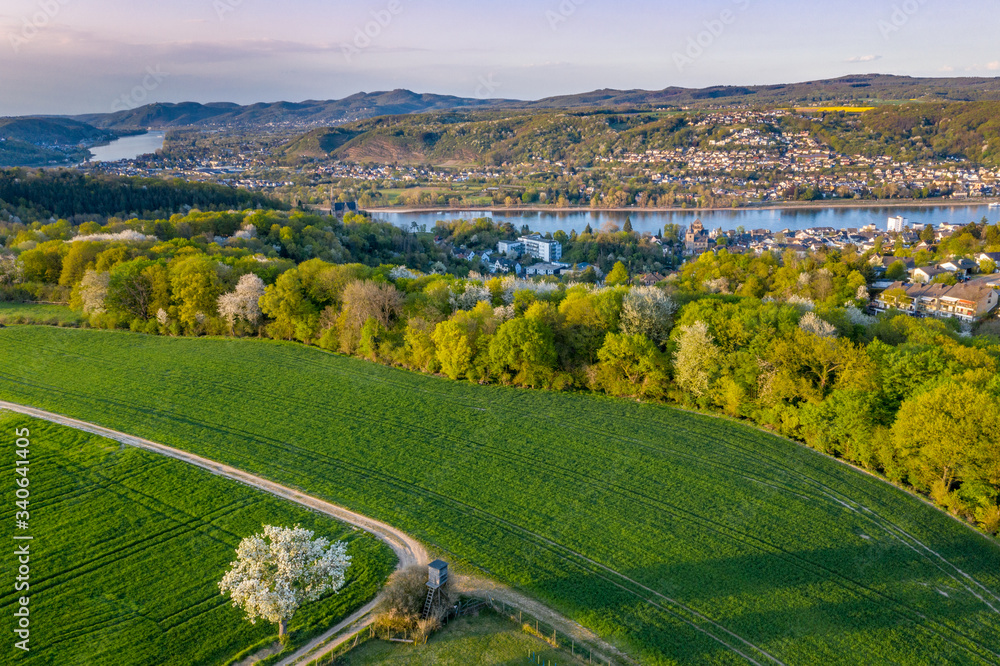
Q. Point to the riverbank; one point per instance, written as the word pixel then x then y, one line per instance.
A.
pixel 791 205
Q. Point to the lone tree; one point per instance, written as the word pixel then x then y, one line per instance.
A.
pixel 279 570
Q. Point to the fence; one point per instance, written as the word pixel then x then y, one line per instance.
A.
pixel 547 633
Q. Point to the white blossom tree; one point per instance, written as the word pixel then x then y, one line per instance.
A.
pixel 93 291
pixel 279 570
pixel 243 303
pixel 648 311
pixel 472 296
pixel 810 323
pixel 11 269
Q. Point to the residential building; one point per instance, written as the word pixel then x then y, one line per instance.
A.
pixel 967 301
pixel 927 273
pixel 544 269
pixel 542 248
pixel 510 247
pixel 897 224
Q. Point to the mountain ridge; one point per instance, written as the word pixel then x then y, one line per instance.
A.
pixel 862 88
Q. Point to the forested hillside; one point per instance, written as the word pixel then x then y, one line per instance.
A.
pixel 917 131
pixel 67 193
pixel 494 138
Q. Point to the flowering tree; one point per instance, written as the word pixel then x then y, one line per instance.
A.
pixel 648 311
pixel 93 291
pixel 243 304
pixel 279 570
pixel 11 269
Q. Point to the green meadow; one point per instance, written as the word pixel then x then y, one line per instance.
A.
pixel 679 537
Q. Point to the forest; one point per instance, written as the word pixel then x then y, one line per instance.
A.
pixel 67 193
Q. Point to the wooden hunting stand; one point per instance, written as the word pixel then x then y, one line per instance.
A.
pixel 437 575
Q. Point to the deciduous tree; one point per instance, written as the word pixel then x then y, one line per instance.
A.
pixel 278 570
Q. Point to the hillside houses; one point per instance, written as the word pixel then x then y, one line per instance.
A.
pixel 968 301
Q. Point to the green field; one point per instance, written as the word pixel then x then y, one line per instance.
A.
pixel 39 313
pixel 487 640
pixel 678 536
pixel 128 547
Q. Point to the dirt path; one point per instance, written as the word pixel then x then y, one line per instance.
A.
pixel 408 550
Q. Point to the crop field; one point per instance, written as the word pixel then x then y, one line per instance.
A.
pixel 39 313
pixel 677 536
pixel 127 549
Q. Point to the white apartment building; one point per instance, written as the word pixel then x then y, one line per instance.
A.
pixel 541 248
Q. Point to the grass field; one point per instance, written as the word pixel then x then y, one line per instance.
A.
pixel 39 313
pixel 679 536
pixel 487 640
pixel 128 547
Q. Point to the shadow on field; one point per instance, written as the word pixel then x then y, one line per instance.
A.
pixel 840 605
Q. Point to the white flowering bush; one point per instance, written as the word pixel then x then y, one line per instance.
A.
pixel 248 232
pixel 11 270
pixel 243 304
pixel 511 285
pixel 94 291
pixel 277 571
pixel 810 323
pixel 857 317
pixel 801 302
pixel 504 313
pixel 403 272
pixel 648 311
pixel 473 294
pixel 127 236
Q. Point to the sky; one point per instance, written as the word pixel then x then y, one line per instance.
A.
pixel 94 56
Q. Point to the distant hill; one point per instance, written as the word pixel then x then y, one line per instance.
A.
pixel 52 131
pixel 47 141
pixel 860 89
pixel 308 113
pixel 864 88
pixel 580 137
pixel 493 137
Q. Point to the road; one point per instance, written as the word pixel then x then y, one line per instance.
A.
pixel 408 550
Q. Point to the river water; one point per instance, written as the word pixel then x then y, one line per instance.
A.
pixel 839 217
pixel 128 147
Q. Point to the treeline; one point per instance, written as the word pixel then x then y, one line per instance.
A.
pixel 44 261
pixel 780 341
pixel 66 193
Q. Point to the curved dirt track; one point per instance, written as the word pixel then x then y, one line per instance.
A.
pixel 408 550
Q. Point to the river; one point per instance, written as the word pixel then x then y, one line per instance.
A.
pixel 838 217
pixel 128 147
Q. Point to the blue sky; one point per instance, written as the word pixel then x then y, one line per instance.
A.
pixel 79 56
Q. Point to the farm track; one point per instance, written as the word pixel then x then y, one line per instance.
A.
pixel 409 551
